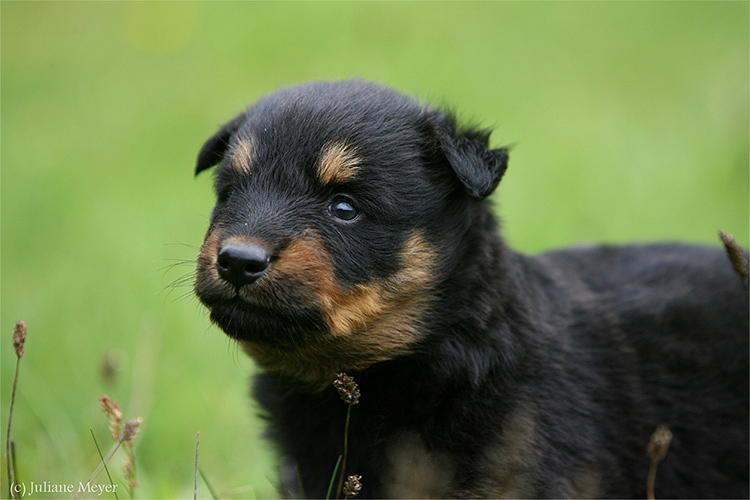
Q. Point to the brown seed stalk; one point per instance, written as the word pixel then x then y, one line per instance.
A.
pixel 349 393
pixel 112 409
pixel 19 339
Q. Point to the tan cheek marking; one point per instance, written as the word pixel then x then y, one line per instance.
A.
pixel 420 263
pixel 380 320
pixel 338 163
pixel 393 300
pixel 306 262
pixel 346 312
pixel 241 154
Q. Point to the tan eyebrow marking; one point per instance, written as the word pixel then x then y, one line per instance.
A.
pixel 241 154
pixel 338 163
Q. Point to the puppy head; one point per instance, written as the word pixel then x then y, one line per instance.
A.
pixel 340 209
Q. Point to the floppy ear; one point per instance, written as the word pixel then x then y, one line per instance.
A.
pixel 478 168
pixel 213 150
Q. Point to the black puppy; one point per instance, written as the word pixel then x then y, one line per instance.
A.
pixel 352 234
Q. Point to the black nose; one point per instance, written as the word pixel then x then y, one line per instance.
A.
pixel 241 263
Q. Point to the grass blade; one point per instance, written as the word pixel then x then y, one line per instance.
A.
pixel 333 478
pixel 208 485
pixel 106 469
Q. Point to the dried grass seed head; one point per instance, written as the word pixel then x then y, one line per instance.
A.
pixel 113 411
pixel 131 429
pixel 735 253
pixel 658 444
pixel 352 486
pixel 347 388
pixel 19 337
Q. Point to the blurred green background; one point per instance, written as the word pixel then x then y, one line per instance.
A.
pixel 629 123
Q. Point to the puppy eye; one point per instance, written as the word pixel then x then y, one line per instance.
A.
pixel 342 208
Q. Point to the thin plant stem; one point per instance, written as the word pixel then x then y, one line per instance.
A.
pixel 10 457
pixel 197 451
pixel 104 461
pixel 13 457
pixel 131 461
pixel 346 449
pixel 651 481
pixel 106 469
pixel 208 485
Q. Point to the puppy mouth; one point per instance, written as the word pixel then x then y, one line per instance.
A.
pixel 269 309
pixel 246 321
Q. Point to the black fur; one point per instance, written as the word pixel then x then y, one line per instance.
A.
pixel 531 376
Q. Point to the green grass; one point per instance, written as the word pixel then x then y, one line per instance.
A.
pixel 629 120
